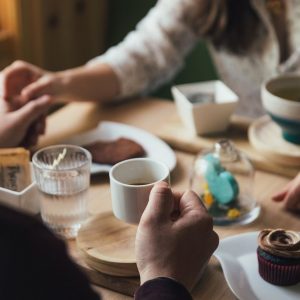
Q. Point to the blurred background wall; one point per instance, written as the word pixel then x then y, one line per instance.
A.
pixel 54 34
pixel 59 34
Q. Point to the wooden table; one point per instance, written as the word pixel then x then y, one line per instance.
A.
pixel 151 114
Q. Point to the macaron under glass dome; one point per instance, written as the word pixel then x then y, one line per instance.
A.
pixel 223 177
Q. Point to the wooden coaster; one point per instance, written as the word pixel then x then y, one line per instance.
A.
pixel 266 137
pixel 107 245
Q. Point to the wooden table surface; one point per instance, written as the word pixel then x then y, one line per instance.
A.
pixel 150 114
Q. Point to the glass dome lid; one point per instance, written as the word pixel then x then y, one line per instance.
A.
pixel 223 177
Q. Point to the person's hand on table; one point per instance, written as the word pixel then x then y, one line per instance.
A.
pixel 290 195
pixel 175 237
pixel 21 126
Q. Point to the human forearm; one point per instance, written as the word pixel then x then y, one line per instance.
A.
pixel 97 82
pixel 90 82
pixel 154 52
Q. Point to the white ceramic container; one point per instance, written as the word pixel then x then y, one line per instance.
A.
pixel 205 117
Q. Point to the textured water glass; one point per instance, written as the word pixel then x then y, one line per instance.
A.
pixel 62 174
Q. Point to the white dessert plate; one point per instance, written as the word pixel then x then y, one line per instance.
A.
pixel 237 255
pixel 155 148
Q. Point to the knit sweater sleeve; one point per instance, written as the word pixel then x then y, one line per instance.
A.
pixel 154 52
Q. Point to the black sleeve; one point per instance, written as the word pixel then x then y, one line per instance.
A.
pixel 162 288
pixel 34 264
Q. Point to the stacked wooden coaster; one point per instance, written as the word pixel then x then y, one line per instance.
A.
pixel 266 137
pixel 107 245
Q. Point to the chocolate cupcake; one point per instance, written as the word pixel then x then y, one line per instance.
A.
pixel 279 256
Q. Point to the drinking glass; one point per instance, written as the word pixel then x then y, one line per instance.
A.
pixel 62 174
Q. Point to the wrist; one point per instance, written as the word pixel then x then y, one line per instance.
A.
pixel 88 83
pixel 64 82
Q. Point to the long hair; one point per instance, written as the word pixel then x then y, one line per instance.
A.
pixel 231 25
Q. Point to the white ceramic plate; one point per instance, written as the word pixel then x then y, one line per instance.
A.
pixel 155 148
pixel 237 255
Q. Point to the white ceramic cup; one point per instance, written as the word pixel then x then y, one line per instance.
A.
pixel 131 182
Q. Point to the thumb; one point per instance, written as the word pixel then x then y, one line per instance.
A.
pixel 161 203
pixel 32 110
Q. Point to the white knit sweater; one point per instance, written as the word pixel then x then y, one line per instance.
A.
pixel 155 51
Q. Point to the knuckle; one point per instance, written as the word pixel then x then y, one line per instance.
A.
pixel 199 216
pixel 19 63
pixel 203 220
pixel 193 194
pixel 161 191
pixel 190 194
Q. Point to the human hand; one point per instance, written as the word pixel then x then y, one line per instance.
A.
pixel 22 125
pixel 290 195
pixel 175 237
pixel 14 78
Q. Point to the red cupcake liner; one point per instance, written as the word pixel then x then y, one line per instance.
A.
pixel 278 274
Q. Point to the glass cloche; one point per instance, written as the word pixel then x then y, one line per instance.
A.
pixel 224 179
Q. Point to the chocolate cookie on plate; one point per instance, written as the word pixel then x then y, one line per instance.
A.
pixel 112 152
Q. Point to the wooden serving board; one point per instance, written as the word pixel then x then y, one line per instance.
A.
pixel 176 135
pixel 266 137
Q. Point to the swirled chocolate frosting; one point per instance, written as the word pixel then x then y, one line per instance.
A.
pixel 280 242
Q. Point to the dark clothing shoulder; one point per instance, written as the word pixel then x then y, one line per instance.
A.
pixel 34 264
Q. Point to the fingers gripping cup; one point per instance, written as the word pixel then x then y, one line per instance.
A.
pixel 131 182
pixel 62 174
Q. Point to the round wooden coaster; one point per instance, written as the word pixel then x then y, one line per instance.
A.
pixel 107 245
pixel 266 137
